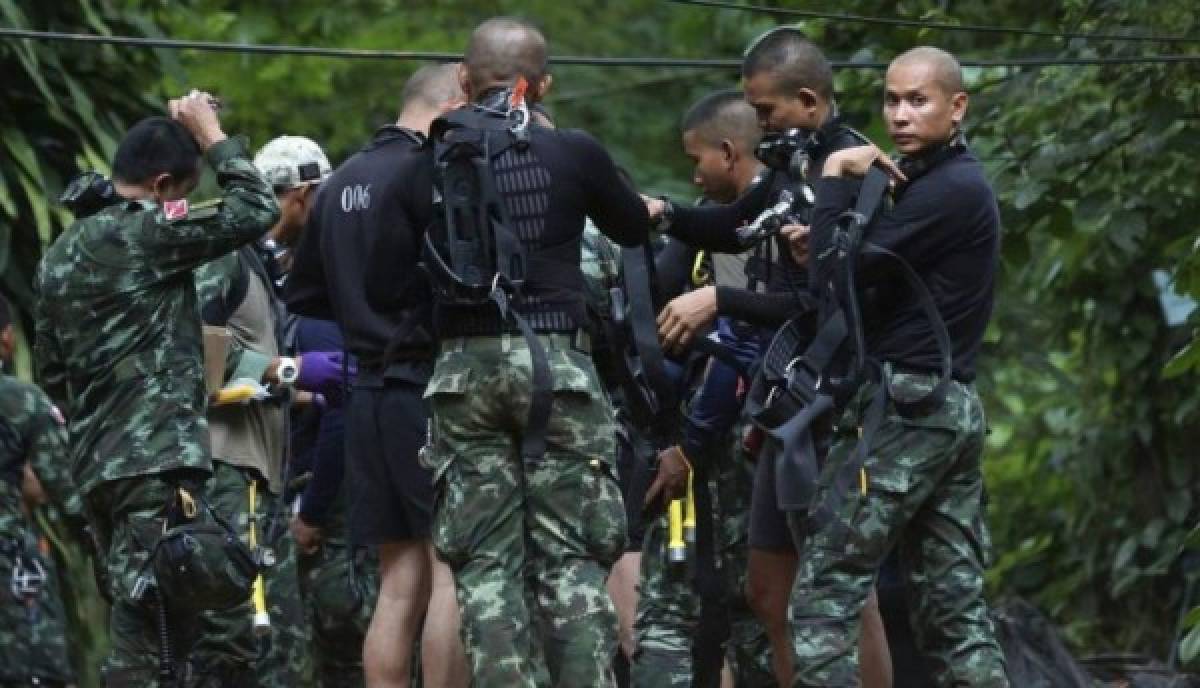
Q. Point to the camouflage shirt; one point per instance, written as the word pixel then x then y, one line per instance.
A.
pixel 31 431
pixel 118 326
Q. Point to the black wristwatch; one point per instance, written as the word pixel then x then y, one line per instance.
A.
pixel 667 217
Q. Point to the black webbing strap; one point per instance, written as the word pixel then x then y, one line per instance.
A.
pixel 805 393
pixel 541 398
pixel 714 349
pixel 852 246
pixel 640 352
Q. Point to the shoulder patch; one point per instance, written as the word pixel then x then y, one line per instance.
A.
pixel 57 415
pixel 175 210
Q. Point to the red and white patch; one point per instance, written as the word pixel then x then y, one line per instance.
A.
pixel 175 210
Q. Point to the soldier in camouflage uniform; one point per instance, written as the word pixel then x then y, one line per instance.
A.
pixel 919 487
pixel 679 605
pixel 529 538
pixel 238 291
pixel 33 457
pixel 339 580
pixel 600 262
pixel 119 343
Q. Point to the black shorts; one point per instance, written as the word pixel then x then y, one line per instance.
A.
pixel 391 494
pixel 768 523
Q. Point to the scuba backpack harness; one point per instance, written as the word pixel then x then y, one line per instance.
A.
pixel 471 251
pixel 806 379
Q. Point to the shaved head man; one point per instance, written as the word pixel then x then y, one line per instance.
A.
pixel 390 493
pixel 529 515
pixel 925 102
pixel 922 484
pixel 500 51
pixel 720 132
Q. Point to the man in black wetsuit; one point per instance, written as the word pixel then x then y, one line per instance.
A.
pixel 391 494
pixel 789 82
pixel 529 531
pixel 917 483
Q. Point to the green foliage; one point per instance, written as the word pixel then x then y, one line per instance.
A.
pixel 1094 446
pixel 65 107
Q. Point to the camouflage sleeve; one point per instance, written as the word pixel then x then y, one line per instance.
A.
pixel 52 371
pixel 47 451
pixel 247 209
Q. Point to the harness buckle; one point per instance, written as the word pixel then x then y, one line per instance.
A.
pixel 28 577
pixel 803 364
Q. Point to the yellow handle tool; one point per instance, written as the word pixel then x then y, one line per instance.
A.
pixel 234 395
pixel 700 276
pixel 676 547
pixel 262 620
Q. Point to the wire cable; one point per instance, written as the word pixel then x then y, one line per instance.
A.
pixel 941 26
pixel 598 61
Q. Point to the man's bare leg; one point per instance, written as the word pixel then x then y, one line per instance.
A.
pixel 875 659
pixel 443 661
pixel 622 588
pixel 404 587
pixel 769 577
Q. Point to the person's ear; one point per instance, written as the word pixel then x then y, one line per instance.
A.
pixel 161 186
pixel 464 80
pixel 808 98
pixel 729 153
pixel 958 109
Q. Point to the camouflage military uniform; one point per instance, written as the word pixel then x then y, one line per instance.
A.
pixel 924 493
pixel 248 443
pixel 33 642
pixel 530 544
pixel 118 338
pixel 228 647
pixel 339 584
pixel 670 610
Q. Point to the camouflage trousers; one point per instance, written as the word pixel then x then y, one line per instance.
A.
pixel 923 495
pixel 530 542
pixel 340 584
pixel 33 634
pixel 229 652
pixel 676 643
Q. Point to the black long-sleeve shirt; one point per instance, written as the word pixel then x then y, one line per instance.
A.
pixel 550 188
pixel 945 223
pixel 713 227
pixel 358 203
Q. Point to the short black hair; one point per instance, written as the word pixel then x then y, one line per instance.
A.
pixel 154 146
pixel 724 115
pixel 791 58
